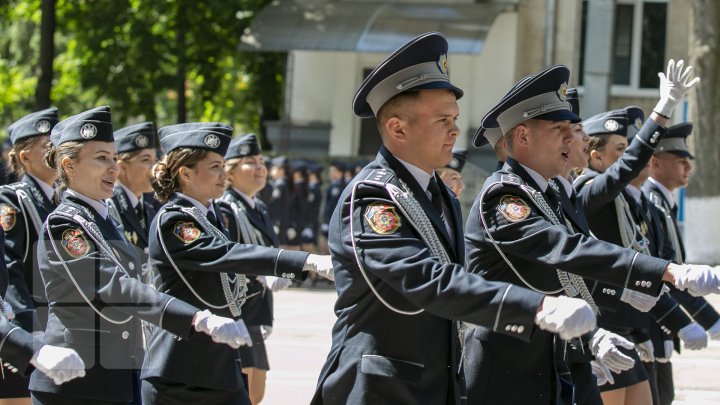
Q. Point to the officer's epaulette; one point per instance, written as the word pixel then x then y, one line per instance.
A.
pixel 511 179
pixel 14 186
pixel 173 207
pixel 379 176
pixel 67 210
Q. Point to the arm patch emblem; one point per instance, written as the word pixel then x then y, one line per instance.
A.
pixel 513 208
pixel 186 231
pixel 7 217
pixel 383 218
pixel 75 243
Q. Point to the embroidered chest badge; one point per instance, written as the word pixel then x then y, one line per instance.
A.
pixel 186 231
pixel 383 218
pixel 7 217
pixel 75 243
pixel 513 208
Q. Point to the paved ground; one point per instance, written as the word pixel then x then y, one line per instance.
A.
pixel 301 341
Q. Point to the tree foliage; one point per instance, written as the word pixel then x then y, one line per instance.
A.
pixel 135 55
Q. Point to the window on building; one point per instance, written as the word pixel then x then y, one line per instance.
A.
pixel 638 43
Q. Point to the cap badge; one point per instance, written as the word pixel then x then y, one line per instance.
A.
pixel 562 92
pixel 244 149
pixel 443 64
pixel 638 123
pixel 611 125
pixel 212 141
pixel 43 126
pixel 88 131
pixel 141 141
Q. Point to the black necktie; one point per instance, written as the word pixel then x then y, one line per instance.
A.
pixel 674 211
pixel 436 197
pixel 139 211
pixel 211 217
pixel 554 201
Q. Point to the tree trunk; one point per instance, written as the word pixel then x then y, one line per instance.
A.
pixel 47 54
pixel 181 72
pixel 702 225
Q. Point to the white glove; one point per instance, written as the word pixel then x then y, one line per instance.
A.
pixel 59 363
pixel 669 347
pixel 222 330
pixel 262 280
pixel 693 336
pixel 7 309
pixel 646 351
pixel 697 279
pixel 641 302
pixel 602 373
pixel 276 284
pixel 603 346
pixel 568 317
pixel 265 331
pixel 714 331
pixel 320 264
pixel 674 85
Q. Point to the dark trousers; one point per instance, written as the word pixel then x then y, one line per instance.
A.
pixel 665 385
pixel 651 370
pixel 47 398
pixel 156 391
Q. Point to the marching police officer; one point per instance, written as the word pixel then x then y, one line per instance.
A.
pixel 396 241
pixel 516 233
pixel 136 156
pixel 23 208
pixel 451 174
pixel 87 266
pixel 196 261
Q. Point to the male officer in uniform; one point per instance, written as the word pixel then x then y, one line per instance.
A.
pixel 669 170
pixel 396 243
pixel 451 174
pixel 516 233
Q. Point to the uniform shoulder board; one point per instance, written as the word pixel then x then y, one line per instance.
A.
pixel 381 176
pixel 511 179
pixel 15 186
pixel 171 208
pixel 67 210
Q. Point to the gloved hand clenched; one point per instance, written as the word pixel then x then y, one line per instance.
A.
pixel 646 351
pixel 604 346
pixel 668 348
pixel 320 264
pixel 222 330
pixel 265 331
pixel 602 373
pixel 276 284
pixel 568 317
pixel 697 279
pixel 674 84
pixel 59 363
pixel 714 331
pixel 693 336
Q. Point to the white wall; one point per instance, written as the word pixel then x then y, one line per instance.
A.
pixel 701 230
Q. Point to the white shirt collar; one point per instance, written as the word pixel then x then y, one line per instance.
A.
pixel 98 206
pixel 540 180
pixel 203 209
pixel 131 196
pixel 420 175
pixel 634 192
pixel 567 186
pixel 246 197
pixel 47 189
pixel 668 195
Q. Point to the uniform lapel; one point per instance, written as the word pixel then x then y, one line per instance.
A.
pixel 128 214
pixel 45 206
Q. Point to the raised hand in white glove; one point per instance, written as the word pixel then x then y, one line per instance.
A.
pixel 320 264
pixel 7 309
pixel 714 331
pixel 265 331
pixel 602 373
pixel 222 330
pixel 668 348
pixel 276 284
pixel 604 346
pixel 59 363
pixel 693 336
pixel 641 302
pixel 568 317
pixel 674 84
pixel 646 351
pixel 697 279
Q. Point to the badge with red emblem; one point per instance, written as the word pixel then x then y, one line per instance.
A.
pixel 75 243
pixel 7 217
pixel 186 231
pixel 513 208
pixel 383 218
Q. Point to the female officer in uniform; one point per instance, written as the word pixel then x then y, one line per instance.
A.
pixel 90 274
pixel 195 261
pixel 248 221
pixel 136 157
pixel 23 208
